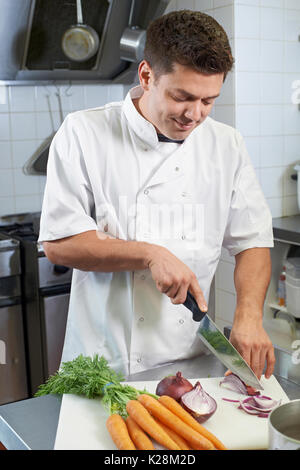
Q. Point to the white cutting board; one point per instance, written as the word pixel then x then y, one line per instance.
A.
pixel 82 426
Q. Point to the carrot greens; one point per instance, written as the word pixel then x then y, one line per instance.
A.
pixel 92 378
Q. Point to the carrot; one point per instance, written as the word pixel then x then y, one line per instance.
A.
pixel 117 428
pixel 143 418
pixel 176 438
pixel 138 436
pixel 179 411
pixel 168 418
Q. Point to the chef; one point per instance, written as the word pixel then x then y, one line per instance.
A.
pixel 140 198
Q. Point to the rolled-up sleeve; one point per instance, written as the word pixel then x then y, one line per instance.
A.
pixel 249 221
pixel 68 203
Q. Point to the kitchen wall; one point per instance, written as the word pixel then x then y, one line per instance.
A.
pixel 28 115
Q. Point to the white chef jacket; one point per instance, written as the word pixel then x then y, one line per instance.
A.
pixel 107 171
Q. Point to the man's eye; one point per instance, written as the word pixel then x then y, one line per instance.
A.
pixel 178 99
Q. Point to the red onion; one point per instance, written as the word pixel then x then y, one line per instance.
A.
pixel 199 403
pixel 174 386
pixel 234 383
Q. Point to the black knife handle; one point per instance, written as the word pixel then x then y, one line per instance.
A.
pixel 192 305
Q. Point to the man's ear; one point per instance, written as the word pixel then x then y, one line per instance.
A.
pixel 146 75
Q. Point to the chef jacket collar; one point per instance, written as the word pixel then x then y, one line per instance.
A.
pixel 143 128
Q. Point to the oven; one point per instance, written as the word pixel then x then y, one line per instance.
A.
pixel 45 291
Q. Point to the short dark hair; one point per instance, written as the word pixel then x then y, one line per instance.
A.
pixel 190 38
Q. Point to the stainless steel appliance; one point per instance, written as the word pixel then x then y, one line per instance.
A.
pixel 13 372
pixel 45 296
pixel 31 34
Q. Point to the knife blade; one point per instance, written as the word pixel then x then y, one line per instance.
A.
pixel 219 345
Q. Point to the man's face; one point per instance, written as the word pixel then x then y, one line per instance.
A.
pixel 178 102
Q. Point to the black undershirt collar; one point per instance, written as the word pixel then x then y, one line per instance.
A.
pixel 163 138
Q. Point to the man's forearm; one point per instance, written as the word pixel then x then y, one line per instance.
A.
pixel 252 277
pixel 94 251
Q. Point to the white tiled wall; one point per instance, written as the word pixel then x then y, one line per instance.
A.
pixel 28 115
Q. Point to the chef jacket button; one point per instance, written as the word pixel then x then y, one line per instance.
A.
pixel 181 321
pixel 143 277
pixel 184 194
pixel 146 191
pixel 183 237
pixel 141 319
pixel 177 168
pixel 139 360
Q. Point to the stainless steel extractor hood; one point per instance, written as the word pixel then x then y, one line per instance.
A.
pixel 31 33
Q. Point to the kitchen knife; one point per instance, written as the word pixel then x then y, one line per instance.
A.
pixel 219 345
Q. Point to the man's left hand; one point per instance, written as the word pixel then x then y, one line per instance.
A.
pixel 253 343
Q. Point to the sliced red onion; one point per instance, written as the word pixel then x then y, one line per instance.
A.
pixel 229 399
pixel 199 403
pixel 257 405
pixel 234 383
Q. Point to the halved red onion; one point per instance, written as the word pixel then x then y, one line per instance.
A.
pixel 199 403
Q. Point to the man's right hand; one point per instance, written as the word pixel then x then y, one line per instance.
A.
pixel 174 278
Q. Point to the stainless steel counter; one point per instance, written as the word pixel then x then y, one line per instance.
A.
pixel 32 423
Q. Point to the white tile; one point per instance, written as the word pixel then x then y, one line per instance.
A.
pixel 202 5
pixel 293 4
pixel 22 150
pixel 271 88
pixel 248 2
pixel 271 56
pixel 47 124
pixel 247 54
pixel 224 276
pixel 7 183
pixel 31 203
pixel 248 120
pixel 4 126
pixel 289 185
pixel 225 114
pixel 272 3
pixel 96 95
pixel 291 149
pixel 271 26
pixel 42 184
pixel 291 88
pixel 7 206
pixel 23 126
pixel 115 93
pixel 225 306
pixel 276 206
pixel 25 184
pixel 253 147
pixel 224 16
pixel 272 151
pixel 221 3
pixel 22 98
pixel 291 57
pixel 247 88
pixel 271 119
pixel 4 104
pixel 291 25
pixel 75 97
pixel 290 206
pixel 5 155
pixel 227 91
pixel 291 121
pixel 271 180
pixel 46 98
pixel 246 21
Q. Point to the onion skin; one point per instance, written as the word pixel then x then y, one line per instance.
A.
pixel 174 386
pixel 200 417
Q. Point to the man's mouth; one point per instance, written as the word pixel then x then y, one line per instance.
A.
pixel 184 125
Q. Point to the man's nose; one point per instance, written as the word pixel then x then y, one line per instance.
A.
pixel 195 111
